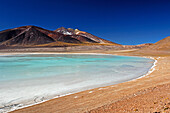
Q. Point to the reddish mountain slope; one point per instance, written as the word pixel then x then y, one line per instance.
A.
pixel 82 36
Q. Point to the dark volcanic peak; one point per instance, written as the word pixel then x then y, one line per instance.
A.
pixel 26 35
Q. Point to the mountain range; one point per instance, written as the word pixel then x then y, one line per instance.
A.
pixel 37 37
pixel 32 36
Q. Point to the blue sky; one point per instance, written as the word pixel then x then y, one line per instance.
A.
pixel 121 21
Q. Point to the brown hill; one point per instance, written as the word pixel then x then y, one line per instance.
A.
pixel 162 45
pixel 159 48
pixel 32 36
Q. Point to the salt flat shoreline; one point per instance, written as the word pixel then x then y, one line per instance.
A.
pixel 107 87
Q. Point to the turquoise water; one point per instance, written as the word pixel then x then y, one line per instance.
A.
pixel 30 77
pixel 35 66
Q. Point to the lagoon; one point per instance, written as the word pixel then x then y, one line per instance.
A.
pixel 32 78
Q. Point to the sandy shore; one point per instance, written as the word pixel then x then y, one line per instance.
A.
pixel 99 99
pixel 150 100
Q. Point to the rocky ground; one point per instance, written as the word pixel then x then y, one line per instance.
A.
pixel 151 100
